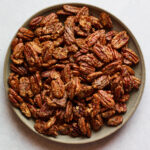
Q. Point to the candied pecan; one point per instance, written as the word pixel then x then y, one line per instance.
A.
pixel 71 9
pixel 36 83
pixel 64 129
pixel 45 38
pixel 50 63
pixel 81 43
pixel 95 22
pixel 69 30
pixel 119 40
pixel 110 35
pixel 62 101
pixel 105 20
pixel 92 38
pixel 103 52
pixel 118 92
pixel 15 96
pixel 17 55
pixel 102 38
pixel 94 75
pixel 13 81
pixel 14 42
pixel 47 51
pixel 105 98
pixel 72 48
pixel 84 11
pixel 74 130
pixel 52 131
pixel 58 88
pixel 38 31
pixel 25 34
pixel 38 100
pixel 49 123
pixel 82 125
pixel 60 53
pixel 97 122
pixel 78 111
pixel 84 22
pixel 58 41
pixel 115 54
pixel 39 126
pixel 112 67
pixel 130 55
pixel 48 19
pixel 73 87
pixel 108 113
pixel 50 102
pixel 79 31
pixel 53 30
pixel 94 107
pixel 35 22
pixel 25 110
pixel 35 47
pixel 63 12
pixel 126 70
pixel 33 110
pixel 52 74
pixel 60 113
pixel 121 107
pixel 85 90
pixel 25 87
pixel 115 120
pixel 44 112
pixel 101 82
pixel 136 82
pixel 18 69
pixel 68 113
pixel 86 69
pixel 127 62
pixel 91 60
pixel 57 66
pixel 66 73
pixel 131 82
pixel 124 98
pixel 31 55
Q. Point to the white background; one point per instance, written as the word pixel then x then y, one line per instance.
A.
pixel 135 135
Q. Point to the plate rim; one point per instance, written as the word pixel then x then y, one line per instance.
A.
pixel 88 140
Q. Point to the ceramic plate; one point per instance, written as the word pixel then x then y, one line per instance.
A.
pixel 135 95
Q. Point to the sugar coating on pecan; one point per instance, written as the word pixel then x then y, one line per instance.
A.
pixel 71 72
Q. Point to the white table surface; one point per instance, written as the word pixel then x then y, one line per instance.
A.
pixel 135 135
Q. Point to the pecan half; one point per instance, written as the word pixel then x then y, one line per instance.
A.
pixel 35 22
pixel 130 55
pixel 121 107
pixel 120 40
pixel 71 9
pixel 69 30
pixel 25 110
pixel 108 113
pixel 105 20
pixel 115 120
pixel 25 87
pixel 101 82
pixel 58 88
pixel 25 34
pixel 105 99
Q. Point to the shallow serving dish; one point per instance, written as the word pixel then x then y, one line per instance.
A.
pixel 135 95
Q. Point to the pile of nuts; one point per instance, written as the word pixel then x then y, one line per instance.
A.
pixel 72 77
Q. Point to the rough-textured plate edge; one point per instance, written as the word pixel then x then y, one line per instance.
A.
pixel 88 140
